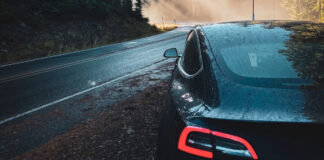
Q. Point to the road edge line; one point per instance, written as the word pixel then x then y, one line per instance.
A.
pixel 75 52
pixel 74 95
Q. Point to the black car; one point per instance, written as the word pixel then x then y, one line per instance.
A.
pixel 246 90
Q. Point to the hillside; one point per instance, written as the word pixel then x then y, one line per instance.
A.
pixel 36 28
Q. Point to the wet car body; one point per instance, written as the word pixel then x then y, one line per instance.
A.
pixel 229 101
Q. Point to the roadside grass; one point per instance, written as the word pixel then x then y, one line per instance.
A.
pixel 19 44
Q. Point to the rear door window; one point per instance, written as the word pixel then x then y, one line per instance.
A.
pixel 190 61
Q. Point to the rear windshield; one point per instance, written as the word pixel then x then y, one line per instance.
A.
pixel 276 51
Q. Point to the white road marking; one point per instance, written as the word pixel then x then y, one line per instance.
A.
pixel 113 53
pixel 74 95
pixel 75 52
pixel 63 54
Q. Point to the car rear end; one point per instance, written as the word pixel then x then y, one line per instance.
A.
pixel 262 96
pixel 206 138
pixel 227 139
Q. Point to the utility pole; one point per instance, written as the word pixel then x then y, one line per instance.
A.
pixel 253 18
pixel 320 9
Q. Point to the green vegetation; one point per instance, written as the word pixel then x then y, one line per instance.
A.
pixel 305 9
pixel 36 12
pixel 37 28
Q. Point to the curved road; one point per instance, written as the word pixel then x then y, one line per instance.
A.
pixel 34 90
pixel 25 86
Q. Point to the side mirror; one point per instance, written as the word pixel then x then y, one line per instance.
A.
pixel 171 53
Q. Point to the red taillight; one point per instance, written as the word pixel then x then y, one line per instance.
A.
pixel 237 139
pixel 182 145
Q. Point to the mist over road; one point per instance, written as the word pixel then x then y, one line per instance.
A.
pixel 212 10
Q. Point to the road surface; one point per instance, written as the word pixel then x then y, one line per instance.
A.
pixel 35 93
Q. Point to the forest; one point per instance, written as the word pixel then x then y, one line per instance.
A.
pixel 305 9
pixel 37 28
pixel 36 12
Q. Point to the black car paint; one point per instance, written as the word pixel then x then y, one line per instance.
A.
pixel 271 137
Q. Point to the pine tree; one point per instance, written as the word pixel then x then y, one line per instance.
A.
pixel 127 7
pixel 138 9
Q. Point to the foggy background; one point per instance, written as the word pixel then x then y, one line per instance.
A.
pixel 186 11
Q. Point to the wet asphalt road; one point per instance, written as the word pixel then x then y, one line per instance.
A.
pixel 29 85
pixel 44 98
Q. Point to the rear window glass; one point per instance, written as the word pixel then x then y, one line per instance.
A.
pixel 252 51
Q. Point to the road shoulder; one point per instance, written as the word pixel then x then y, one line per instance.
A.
pixel 128 130
pixel 37 128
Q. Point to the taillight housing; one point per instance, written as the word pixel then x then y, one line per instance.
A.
pixel 205 143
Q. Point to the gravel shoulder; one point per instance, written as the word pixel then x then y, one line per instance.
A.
pixel 129 130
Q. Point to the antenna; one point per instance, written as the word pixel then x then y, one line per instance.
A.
pixel 253 18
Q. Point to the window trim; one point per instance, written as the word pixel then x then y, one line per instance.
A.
pixel 180 68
